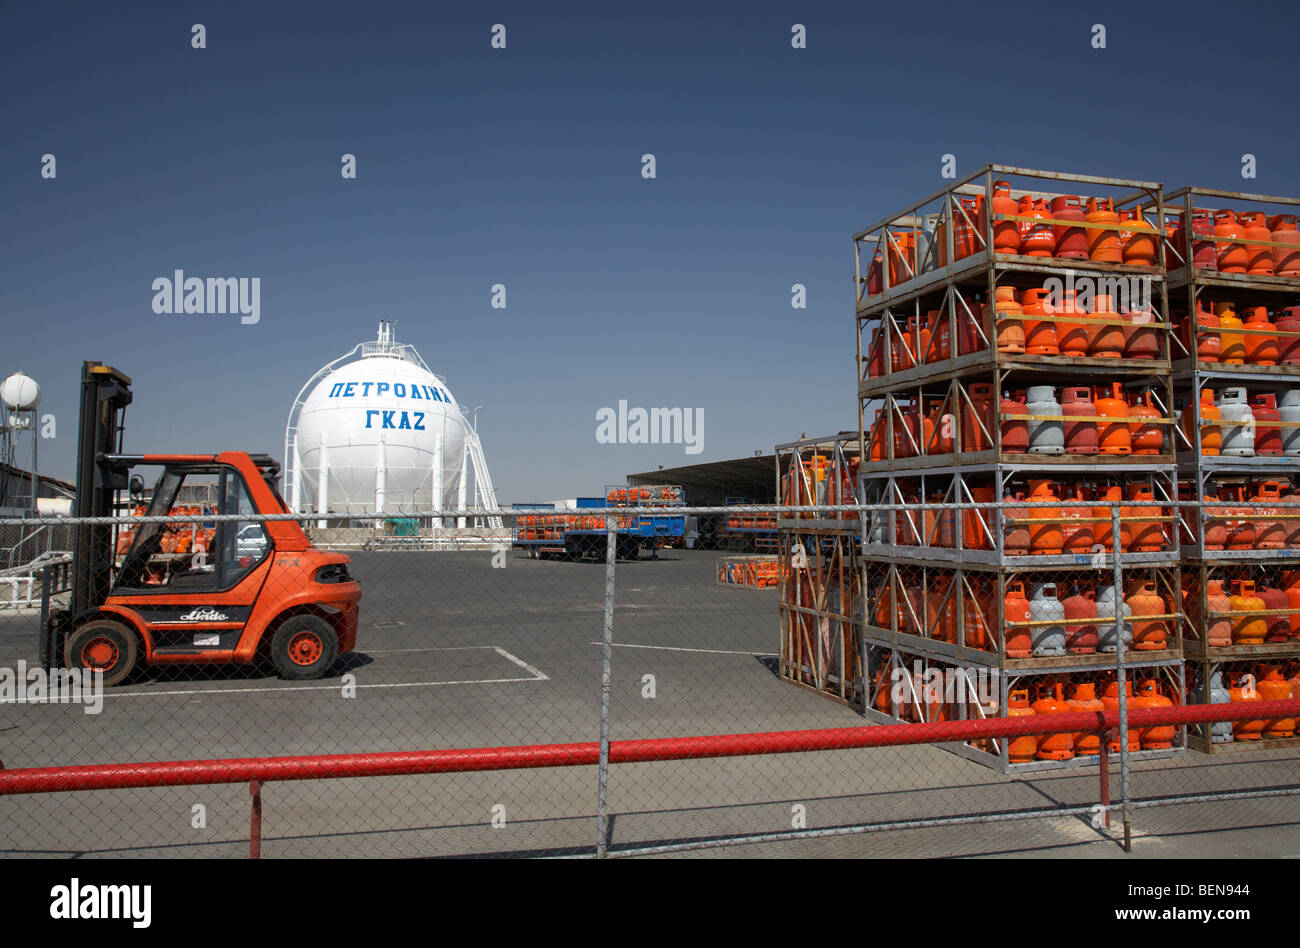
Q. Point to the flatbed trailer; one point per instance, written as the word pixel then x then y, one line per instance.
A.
pixel 574 535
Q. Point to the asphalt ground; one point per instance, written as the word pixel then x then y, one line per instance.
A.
pixel 454 652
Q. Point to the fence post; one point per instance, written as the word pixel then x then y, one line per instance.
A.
pixel 255 820
pixel 1121 678
pixel 606 643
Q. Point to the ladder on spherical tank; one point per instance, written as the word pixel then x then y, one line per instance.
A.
pixel 482 479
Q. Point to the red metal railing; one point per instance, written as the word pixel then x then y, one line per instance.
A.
pixel 259 770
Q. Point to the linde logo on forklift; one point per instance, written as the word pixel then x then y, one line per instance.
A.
pixel 215 296
pixel 203 614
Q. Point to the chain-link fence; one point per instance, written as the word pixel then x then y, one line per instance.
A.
pixel 558 644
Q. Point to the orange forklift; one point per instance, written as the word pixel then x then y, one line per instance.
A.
pixel 259 593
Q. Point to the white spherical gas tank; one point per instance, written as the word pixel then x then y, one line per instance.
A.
pixel 381 411
pixel 20 392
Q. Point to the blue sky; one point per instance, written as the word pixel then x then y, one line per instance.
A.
pixel 522 166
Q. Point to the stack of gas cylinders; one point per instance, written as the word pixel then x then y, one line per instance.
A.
pixel 756 571
pixel 1233 682
pixel 1217 242
pixel 1235 421
pixel 1251 515
pixel 1067 227
pixel 1237 608
pixel 1043 527
pixel 1039 617
pixel 1228 334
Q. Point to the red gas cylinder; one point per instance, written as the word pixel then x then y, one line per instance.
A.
pixel 1084 698
pixel 1268 440
pixel 1006 234
pixel 1021 750
pixel 1051 700
pixel 1036 240
pixel 1291 586
pixel 1259 259
pixel 1015 609
pixel 940 337
pixel 1141 339
pixel 1245 689
pixel 1077 528
pixel 1159 736
pixel 1080 436
pixel 1113 437
pixel 1015 432
pixel 1286 260
pixel 1105 340
pixel 1290 517
pixel 1071 242
pixel 1040 337
pixel 1015 540
pixel 876 355
pixel 904 433
pixel 1110 700
pixel 1270 534
pixel 977 425
pixel 1103 242
pixel 1233 257
pixel 1103 497
pixel 875 275
pixel 1218 626
pixel 1272 686
pixel 1208 346
pixel 1081 638
pixel 1277 628
pixel 977 523
pixel 1146 433
pixel 1072 338
pixel 1288 320
pixel 1047 538
pixel 1205 255
pixel 1261 345
pixel 970 336
pixel 967 215
pixel 1137 238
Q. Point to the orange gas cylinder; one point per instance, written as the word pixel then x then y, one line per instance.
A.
pixel 1084 698
pixel 1071 242
pixel 1072 338
pixel 876 355
pixel 939 530
pixel 1011 334
pixel 1105 340
pixel 1205 416
pixel 1159 736
pixel 1233 257
pixel 1290 516
pixel 1261 345
pixel 1015 541
pixel 967 221
pixel 1248 627
pixel 1080 436
pixel 1270 534
pixel 1113 437
pixel 1103 242
pixel 940 337
pixel 1148 529
pixel 1149 635
pixel 875 275
pixel 976 532
pixel 1110 700
pixel 903 347
pixel 1277 627
pixel 1147 435
pixel 1233 343
pixel 1015 609
pixel 977 424
pixel 902 257
pixel 1137 238
pixel 1103 496
pixel 1045 538
pixel 1015 431
pixel 1241 533
pixel 1286 260
pixel 972 335
pixel 1141 340
pixel 1218 625
pixel 1081 608
pixel 1051 700
pixel 1244 689
pixel 1036 240
pixel 977 605
pixel 1077 529
pixel 941 610
pixel 905 431
pixel 1259 259
pixel 1040 337
pixel 1288 321
pixel 1207 346
pixel 939 425
pixel 1291 586
pixel 878 450
pixel 1204 255
pixel 1272 686
pixel 1006 234
pixel 1021 750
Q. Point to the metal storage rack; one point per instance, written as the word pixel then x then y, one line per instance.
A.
pixel 1203 476
pixel 820 572
pixel 941 293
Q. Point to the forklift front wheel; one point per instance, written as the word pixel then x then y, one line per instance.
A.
pixel 304 647
pixel 104 646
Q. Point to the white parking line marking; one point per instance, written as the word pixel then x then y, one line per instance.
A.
pixel 520 662
pixel 674 648
pixel 536 674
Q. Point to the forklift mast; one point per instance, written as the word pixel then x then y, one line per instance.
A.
pixel 105 393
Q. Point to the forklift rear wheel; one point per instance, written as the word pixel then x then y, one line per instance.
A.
pixel 104 646
pixel 304 647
